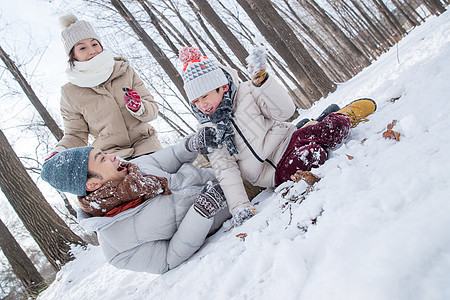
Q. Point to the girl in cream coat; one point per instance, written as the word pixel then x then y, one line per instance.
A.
pixel 94 104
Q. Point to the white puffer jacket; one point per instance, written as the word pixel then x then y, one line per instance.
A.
pixel 165 230
pixel 259 113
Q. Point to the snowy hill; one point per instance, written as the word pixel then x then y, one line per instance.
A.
pixel 381 220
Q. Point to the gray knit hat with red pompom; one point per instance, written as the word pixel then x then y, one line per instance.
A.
pixel 75 30
pixel 200 74
pixel 67 170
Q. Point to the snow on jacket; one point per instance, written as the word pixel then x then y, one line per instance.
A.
pixel 165 230
pixel 259 113
pixel 101 112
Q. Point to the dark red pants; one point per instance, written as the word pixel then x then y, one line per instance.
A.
pixel 307 148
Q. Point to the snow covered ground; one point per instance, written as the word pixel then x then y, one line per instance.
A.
pixel 382 218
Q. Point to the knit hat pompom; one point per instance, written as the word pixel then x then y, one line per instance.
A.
pixel 189 54
pixel 75 30
pixel 200 74
pixel 67 20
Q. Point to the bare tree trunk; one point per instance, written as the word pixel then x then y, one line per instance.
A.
pixel 156 23
pixel 413 11
pixel 334 59
pixel 282 38
pixel 274 63
pixel 21 264
pixel 176 33
pixel 49 231
pixel 48 120
pixel 410 19
pixel 386 31
pixel 215 42
pixel 356 27
pixel 374 29
pixel 434 6
pixel 154 49
pixel 210 15
pixel 325 21
pixel 389 17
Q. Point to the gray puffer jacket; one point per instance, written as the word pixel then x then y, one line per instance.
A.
pixel 165 230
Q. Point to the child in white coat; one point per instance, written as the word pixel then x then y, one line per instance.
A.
pixel 248 133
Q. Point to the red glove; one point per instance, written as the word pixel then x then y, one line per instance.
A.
pixel 132 99
pixel 51 155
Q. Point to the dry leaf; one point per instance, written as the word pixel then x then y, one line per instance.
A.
pixel 349 157
pixel 392 135
pixel 242 236
pixel 392 124
pixel 309 177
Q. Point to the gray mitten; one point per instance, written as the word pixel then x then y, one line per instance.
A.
pixel 210 200
pixel 204 141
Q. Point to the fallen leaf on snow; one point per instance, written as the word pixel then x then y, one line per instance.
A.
pixel 391 134
pixel 309 177
pixel 242 236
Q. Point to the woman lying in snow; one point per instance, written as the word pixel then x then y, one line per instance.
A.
pixel 151 213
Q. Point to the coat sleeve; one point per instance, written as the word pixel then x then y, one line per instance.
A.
pixel 228 174
pixel 160 256
pixel 273 100
pixel 150 111
pixel 76 129
pixel 169 159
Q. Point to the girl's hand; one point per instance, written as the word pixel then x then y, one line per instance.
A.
pixel 132 99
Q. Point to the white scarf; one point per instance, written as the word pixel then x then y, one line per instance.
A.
pixel 92 72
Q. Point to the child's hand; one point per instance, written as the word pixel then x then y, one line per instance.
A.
pixel 204 141
pixel 257 65
pixel 260 77
pixel 210 200
pixel 132 99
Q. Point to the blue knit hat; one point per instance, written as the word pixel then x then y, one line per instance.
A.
pixel 67 170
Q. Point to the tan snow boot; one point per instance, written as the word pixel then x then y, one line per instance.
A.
pixel 358 110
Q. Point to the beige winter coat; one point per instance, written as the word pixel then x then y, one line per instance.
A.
pixel 259 114
pixel 101 112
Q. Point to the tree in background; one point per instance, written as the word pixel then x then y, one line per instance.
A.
pixel 339 37
pixel 21 264
pixel 50 232
pixel 277 32
pixel 48 119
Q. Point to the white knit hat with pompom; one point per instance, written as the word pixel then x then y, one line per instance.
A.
pixel 75 31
